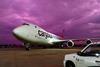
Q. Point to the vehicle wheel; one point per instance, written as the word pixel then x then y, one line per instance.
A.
pixel 70 64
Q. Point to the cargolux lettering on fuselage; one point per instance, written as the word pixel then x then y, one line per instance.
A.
pixel 44 34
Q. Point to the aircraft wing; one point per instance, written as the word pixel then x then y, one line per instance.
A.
pixel 75 42
pixel 62 43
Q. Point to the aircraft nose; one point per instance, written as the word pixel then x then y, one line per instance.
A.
pixel 16 32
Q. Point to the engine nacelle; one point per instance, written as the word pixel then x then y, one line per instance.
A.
pixel 69 43
pixel 88 41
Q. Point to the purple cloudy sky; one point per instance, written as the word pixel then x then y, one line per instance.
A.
pixel 78 18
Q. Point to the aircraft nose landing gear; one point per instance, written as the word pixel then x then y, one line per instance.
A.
pixel 27 46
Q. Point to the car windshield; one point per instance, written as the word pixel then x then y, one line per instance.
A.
pixel 92 50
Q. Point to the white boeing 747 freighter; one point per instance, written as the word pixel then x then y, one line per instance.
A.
pixel 31 34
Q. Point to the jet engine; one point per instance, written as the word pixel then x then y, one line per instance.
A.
pixel 69 43
pixel 88 41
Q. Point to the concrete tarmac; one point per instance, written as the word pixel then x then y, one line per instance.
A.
pixel 18 57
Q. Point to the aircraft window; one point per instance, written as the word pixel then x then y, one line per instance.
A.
pixel 35 26
pixel 50 36
pixel 25 24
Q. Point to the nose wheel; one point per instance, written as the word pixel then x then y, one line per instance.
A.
pixel 27 46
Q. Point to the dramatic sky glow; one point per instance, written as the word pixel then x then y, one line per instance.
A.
pixel 78 18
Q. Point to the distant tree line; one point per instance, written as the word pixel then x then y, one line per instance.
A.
pixel 11 46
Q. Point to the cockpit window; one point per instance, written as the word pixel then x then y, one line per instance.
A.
pixel 25 24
